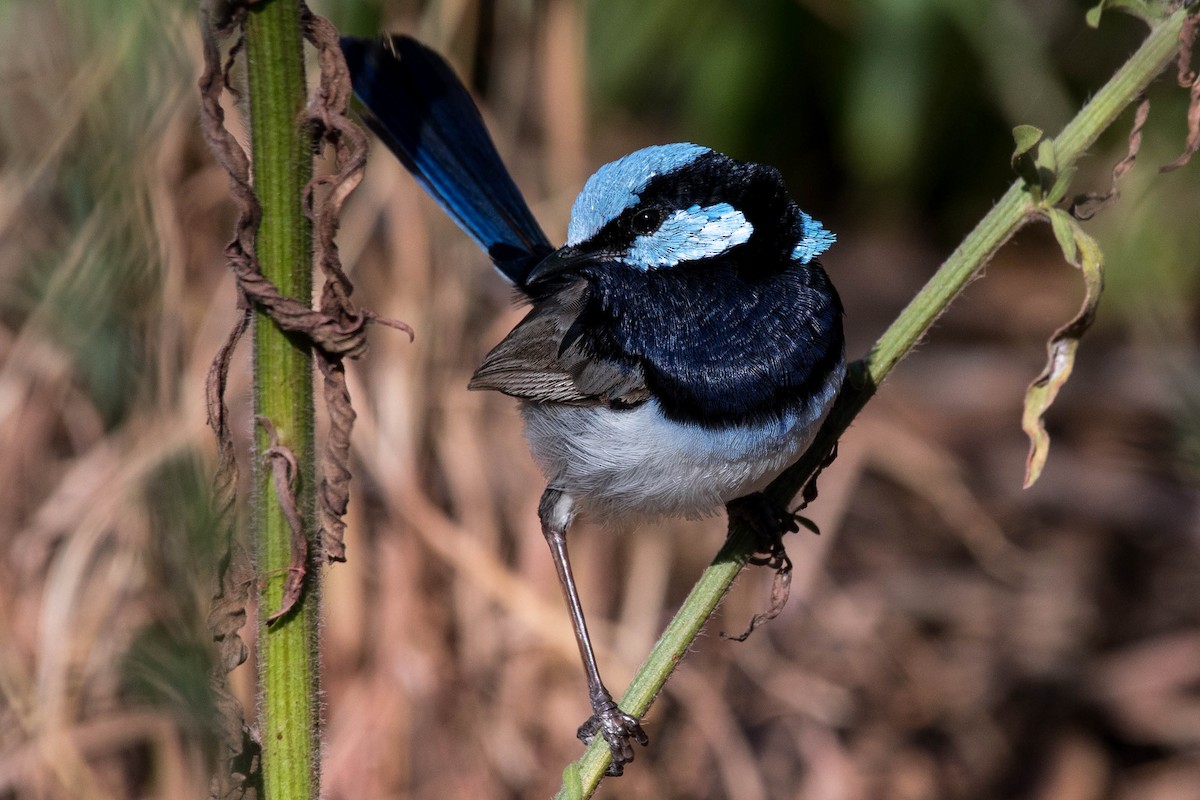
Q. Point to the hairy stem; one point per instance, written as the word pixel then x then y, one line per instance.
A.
pixel 964 264
pixel 283 394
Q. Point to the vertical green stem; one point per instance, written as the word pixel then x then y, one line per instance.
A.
pixel 283 393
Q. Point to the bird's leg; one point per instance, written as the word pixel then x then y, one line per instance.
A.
pixel 556 511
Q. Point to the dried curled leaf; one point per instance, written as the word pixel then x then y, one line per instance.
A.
pixel 1080 249
pixel 1188 78
pixel 284 470
pixel 1086 206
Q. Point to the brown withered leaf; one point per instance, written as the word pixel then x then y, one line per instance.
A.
pixel 1081 250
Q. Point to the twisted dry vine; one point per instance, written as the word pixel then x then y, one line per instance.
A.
pixel 335 330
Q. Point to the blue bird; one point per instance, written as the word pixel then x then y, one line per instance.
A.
pixel 683 346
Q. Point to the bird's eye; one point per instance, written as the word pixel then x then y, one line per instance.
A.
pixel 647 221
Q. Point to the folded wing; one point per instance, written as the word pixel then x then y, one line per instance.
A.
pixel 544 359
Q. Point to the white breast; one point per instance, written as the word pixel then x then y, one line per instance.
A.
pixel 637 463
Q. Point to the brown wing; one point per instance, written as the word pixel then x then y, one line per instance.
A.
pixel 532 364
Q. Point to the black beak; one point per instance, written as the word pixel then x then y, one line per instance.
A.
pixel 562 260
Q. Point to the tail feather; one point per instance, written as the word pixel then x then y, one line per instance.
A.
pixel 424 114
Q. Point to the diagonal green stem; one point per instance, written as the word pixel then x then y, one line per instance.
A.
pixel 283 394
pixel 964 264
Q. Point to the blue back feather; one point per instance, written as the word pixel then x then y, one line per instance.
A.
pixel 424 114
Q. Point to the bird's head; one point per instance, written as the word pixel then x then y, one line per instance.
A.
pixel 670 206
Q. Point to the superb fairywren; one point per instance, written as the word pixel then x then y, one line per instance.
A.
pixel 682 347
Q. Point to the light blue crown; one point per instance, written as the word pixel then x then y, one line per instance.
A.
pixel 616 186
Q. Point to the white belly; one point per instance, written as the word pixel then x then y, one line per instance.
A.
pixel 637 463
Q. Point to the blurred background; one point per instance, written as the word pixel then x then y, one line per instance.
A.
pixel 948 636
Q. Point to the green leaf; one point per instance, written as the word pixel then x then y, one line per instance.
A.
pixel 1061 348
pixel 1148 11
pixel 1061 183
pixel 1064 231
pixel 1035 159
pixel 1026 138
pixel 1046 162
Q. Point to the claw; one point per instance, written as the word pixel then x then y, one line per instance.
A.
pixel 769 521
pixel 617 728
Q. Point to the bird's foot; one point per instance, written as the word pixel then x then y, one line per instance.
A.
pixel 769 521
pixel 617 728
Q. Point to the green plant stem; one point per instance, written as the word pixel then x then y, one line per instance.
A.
pixel 283 393
pixel 964 264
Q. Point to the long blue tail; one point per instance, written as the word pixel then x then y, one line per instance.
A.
pixel 425 115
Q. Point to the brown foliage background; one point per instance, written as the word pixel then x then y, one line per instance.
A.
pixel 948 636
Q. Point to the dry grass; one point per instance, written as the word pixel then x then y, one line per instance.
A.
pixel 947 637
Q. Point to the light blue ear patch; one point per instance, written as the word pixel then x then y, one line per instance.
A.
pixel 616 186
pixel 689 235
pixel 816 240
